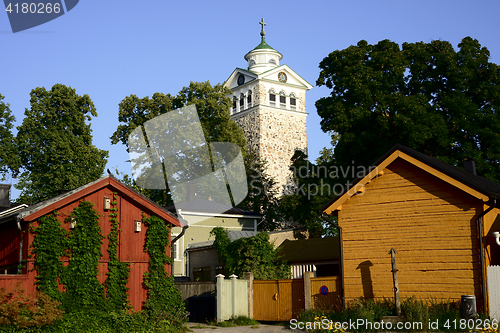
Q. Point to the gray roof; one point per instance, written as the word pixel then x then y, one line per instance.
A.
pixel 211 207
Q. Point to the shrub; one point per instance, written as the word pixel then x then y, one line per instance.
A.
pixel 19 310
pixel 413 309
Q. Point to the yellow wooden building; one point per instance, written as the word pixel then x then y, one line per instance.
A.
pixel 433 214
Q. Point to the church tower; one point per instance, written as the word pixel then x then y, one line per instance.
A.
pixel 269 104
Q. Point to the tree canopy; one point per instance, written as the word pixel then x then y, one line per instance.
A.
pixel 54 144
pixel 212 104
pixel 427 96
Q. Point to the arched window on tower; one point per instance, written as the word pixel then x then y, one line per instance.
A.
pixel 272 61
pixel 234 104
pixel 249 99
pixel 293 102
pixel 242 102
pixel 282 100
pixel 272 98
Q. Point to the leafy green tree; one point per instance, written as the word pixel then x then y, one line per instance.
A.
pixel 9 159
pixel 54 144
pixel 427 96
pixel 313 187
pixel 261 197
pixel 252 254
pixel 212 104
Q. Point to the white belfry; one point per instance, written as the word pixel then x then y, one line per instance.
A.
pixel 269 104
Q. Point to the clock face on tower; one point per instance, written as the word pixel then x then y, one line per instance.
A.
pixel 241 79
pixel 282 77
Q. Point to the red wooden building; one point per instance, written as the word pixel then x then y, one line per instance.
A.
pixel 15 238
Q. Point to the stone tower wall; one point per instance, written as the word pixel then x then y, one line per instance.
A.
pixel 282 133
pixel 274 133
pixel 249 122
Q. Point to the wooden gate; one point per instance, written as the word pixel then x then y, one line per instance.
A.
pixel 277 300
pixel 494 291
pixel 326 298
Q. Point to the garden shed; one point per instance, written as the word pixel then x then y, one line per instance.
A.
pixel 439 218
pixel 108 196
pixel 317 255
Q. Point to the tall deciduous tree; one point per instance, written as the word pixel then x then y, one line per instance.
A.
pixel 427 96
pixel 212 105
pixel 54 144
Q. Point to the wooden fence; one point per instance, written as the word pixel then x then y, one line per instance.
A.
pixel 494 291
pixel 282 300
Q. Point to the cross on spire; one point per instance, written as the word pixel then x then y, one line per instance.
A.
pixel 262 32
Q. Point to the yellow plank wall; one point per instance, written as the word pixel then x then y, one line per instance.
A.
pixel 432 226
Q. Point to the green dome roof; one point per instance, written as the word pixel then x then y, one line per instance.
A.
pixel 263 45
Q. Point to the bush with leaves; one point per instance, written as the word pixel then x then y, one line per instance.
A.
pixel 252 254
pixel 19 310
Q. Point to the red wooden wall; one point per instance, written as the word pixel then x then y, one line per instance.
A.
pixel 131 243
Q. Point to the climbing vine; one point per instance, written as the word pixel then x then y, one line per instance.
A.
pixel 83 289
pixel 118 271
pixel 162 294
pixel 82 246
pixel 49 245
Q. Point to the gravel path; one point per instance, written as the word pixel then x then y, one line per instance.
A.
pixel 261 328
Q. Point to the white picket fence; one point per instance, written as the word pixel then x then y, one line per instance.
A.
pixel 494 291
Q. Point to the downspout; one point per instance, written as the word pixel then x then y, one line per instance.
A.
pixel 341 258
pixel 176 238
pixel 19 267
pixel 480 230
pixel 179 235
pixel 172 245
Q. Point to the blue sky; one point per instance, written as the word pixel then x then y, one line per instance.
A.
pixel 111 49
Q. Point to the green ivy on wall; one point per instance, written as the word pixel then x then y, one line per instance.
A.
pixel 118 271
pixel 82 245
pixel 49 245
pixel 83 289
pixel 162 294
